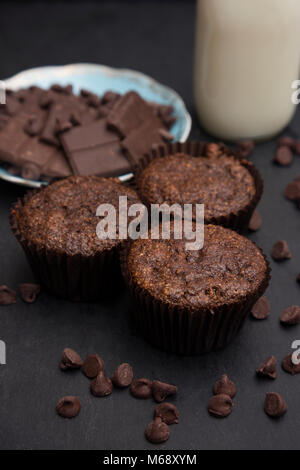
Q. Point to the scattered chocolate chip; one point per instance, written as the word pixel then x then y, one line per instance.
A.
pixel 123 375
pixel 291 315
pixel 141 388
pixel 157 431
pixel 33 126
pixel 245 148
pixel 275 406
pixel 161 390
pixel 268 368
pixel 7 296
pixel 281 251
pixel 70 359
pixel 286 141
pixel 30 171
pixel 101 386
pixel 68 407
pixel 225 387
pixel 220 405
pixel 167 412
pixel 289 366
pixel 298 278
pixel 166 135
pixel 292 191
pixel 261 309
pixel 92 365
pixel 255 221
pixel 29 292
pixel 283 156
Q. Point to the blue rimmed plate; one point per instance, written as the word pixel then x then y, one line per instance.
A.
pixel 98 79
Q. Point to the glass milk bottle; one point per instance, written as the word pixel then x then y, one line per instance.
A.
pixel 247 55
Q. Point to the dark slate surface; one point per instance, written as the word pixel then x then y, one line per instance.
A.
pixel 156 38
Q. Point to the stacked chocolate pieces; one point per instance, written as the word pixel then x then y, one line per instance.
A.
pixel 53 133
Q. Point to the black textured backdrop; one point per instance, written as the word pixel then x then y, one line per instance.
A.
pixel 156 38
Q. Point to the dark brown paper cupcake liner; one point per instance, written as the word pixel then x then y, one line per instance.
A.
pixel 180 330
pixel 236 221
pixel 76 277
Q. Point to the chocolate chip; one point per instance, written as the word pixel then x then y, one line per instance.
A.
pixel 7 296
pixel 268 368
pixel 101 386
pixel 281 251
pixel 245 148
pixel 261 309
pixel 166 135
pixel 255 222
pixel 29 292
pixel 220 405
pixel 30 171
pixel 33 126
pixel 292 191
pixel 286 141
pixel 283 156
pixel 289 366
pixel 68 407
pixel 92 365
pixel 70 359
pixel 157 431
pixel 123 375
pixel 291 315
pixel 212 150
pixel 298 278
pixel 225 386
pixel 141 388
pixel 275 406
pixel 161 390
pixel 167 412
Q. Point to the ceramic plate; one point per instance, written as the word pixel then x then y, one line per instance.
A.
pixel 98 79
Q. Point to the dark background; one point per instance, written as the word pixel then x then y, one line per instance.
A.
pixel 155 37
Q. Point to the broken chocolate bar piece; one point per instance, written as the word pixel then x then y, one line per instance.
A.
pixel 129 112
pixel 20 149
pixel 140 141
pixel 63 111
pixel 93 149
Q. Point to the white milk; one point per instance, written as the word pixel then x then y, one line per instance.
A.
pixel 247 55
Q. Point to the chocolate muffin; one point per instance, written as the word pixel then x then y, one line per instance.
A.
pixel 199 173
pixel 56 227
pixel 191 302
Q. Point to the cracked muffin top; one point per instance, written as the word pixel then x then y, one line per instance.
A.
pixel 62 216
pixel 227 269
pixel 218 180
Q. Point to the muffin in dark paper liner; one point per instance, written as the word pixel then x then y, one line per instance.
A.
pixel 229 186
pixel 56 227
pixel 193 302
